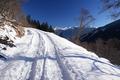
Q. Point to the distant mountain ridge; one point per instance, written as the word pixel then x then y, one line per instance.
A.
pixel 71 32
pixel 106 32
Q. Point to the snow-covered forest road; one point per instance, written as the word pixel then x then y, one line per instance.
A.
pixel 39 55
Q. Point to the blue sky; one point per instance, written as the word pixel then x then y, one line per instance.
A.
pixel 64 13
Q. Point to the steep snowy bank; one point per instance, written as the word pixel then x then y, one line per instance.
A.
pixel 40 55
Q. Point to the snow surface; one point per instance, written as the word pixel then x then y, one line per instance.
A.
pixel 40 55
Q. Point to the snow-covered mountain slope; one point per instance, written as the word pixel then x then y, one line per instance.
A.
pixel 40 55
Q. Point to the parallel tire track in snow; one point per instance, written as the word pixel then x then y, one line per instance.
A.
pixel 43 71
pixel 64 70
pixel 34 63
pixel 33 72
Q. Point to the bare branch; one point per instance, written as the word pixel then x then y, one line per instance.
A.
pixel 113 6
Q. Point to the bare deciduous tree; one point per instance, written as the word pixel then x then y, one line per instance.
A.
pixel 9 8
pixel 85 20
pixel 11 11
pixel 112 6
